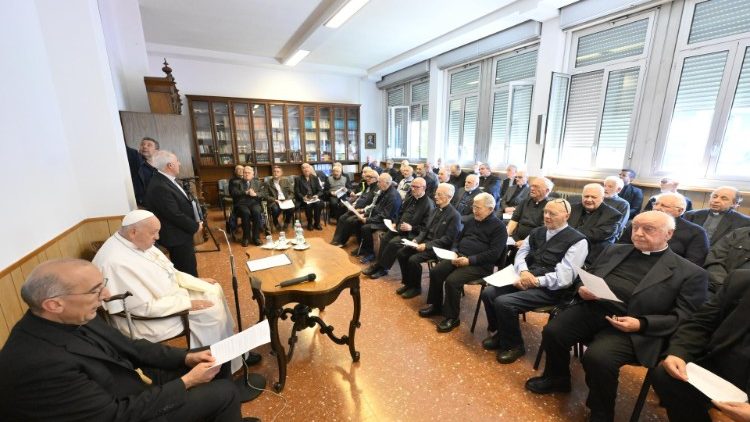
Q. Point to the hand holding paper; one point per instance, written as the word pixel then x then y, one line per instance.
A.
pixel 444 253
pixel 231 347
pixel 712 385
pixel 505 277
pixel 391 226
pixel 409 243
pixel 597 286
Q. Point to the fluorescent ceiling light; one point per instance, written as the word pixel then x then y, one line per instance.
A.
pixel 296 58
pixel 345 13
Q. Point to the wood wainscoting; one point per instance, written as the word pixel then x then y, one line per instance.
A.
pixel 72 243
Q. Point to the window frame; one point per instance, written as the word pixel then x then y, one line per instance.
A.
pixel 462 97
pixel 406 103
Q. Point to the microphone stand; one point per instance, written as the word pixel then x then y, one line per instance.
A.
pixel 250 385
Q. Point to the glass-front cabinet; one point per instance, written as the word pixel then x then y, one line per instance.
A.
pixel 311 134
pixel 326 153
pixel 230 131
pixel 260 134
pixel 293 117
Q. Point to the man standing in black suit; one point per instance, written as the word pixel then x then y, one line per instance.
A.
pixel 658 289
pixel 630 193
pixel 689 240
pixel 61 362
pixel 596 220
pixel 177 213
pixel 488 182
pixel 720 218
pixel 716 338
pixel 443 225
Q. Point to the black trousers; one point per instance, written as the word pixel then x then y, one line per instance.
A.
pixel 608 350
pixel 682 401
pixel 446 276
pixel 312 212
pixel 250 214
pixel 390 245
pixel 183 257
pixel 337 210
pixel 410 261
pixel 347 225
pixel 276 211
pixel 366 233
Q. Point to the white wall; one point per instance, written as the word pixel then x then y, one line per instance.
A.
pixel 196 76
pixel 63 158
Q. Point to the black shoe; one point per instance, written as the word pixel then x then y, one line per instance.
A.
pixel 599 416
pixel 245 242
pixel 401 290
pixel 548 384
pixel 250 419
pixel 510 355
pixel 378 274
pixel 491 343
pixel 309 227
pixel 285 226
pixel 447 325
pixel 253 358
pixel 367 258
pixel 277 225
pixel 429 311
pixel 411 293
pixel 318 227
pixel 371 269
pixel 257 242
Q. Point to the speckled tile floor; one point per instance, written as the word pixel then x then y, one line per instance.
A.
pixel 407 371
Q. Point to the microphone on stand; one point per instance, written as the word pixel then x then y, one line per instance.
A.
pixel 298 280
pixel 250 385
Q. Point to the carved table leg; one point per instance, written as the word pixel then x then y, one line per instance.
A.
pixel 354 324
pixel 272 313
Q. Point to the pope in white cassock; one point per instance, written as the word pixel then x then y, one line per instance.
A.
pixel 131 262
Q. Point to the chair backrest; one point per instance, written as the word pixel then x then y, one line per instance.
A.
pixel 223 186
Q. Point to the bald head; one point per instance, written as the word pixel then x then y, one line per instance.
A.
pixel 652 230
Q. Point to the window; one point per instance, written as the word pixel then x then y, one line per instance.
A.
pixel 591 113
pixel 498 105
pixel 408 111
pixel 707 116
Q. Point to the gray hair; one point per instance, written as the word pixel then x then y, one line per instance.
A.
pixel 737 196
pixel 161 158
pixel 473 177
pixel 547 183
pixel 45 282
pixel 682 203
pixel 451 189
pixel 596 186
pixel 485 199
pixel 616 179
pixel 385 176
pixel 156 143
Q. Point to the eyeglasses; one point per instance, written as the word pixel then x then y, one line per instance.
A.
pixel 564 202
pixel 95 291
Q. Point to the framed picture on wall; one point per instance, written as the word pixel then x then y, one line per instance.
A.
pixel 370 141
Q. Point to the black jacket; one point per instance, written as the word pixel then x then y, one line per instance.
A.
pixel 600 227
pixel 732 221
pixel 634 196
pixel 173 209
pixel 463 204
pixel 442 228
pixel 415 213
pixel 237 189
pixel 387 205
pixel 304 187
pixel 514 195
pixel 689 241
pixel 49 374
pixel 728 254
pixel 491 185
pixel 482 241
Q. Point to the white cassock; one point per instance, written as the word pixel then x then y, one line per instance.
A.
pixel 159 289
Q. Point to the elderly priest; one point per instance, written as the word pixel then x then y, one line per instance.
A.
pixel 131 262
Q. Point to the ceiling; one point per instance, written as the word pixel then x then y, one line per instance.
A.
pixel 382 37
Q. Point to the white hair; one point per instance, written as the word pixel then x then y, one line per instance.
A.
pixel 620 184
pixel 162 158
pixel 485 199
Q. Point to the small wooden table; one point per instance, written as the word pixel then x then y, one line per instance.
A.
pixel 334 274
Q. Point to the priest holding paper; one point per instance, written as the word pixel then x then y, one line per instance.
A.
pixel 658 290
pixel 131 262
pixel 716 337
pixel 544 273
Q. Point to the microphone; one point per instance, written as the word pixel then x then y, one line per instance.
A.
pixel 298 280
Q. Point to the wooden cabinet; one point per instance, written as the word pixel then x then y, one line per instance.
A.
pixel 262 133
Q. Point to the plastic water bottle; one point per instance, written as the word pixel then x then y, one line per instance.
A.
pixel 282 238
pixel 299 235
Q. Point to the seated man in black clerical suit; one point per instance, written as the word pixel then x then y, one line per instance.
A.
pixel 597 221
pixel 464 198
pixel 61 362
pixel 715 337
pixel 658 289
pixel 721 216
pixel 247 194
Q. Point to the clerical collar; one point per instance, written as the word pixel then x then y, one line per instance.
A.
pixel 656 253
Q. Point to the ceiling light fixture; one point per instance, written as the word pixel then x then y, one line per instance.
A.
pixel 296 58
pixel 345 13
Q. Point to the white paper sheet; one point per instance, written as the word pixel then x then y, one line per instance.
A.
pixel 388 223
pixel 507 216
pixel 231 347
pixel 268 262
pixel 409 243
pixel 714 386
pixel 504 277
pixel 341 192
pixel 597 285
pixel 510 241
pixel 312 200
pixel 286 204
pixel 349 206
pixel 444 253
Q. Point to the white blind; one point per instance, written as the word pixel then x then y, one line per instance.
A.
pixel 454 129
pixel 465 81
pixel 397 131
pixel 612 44
pixel 693 110
pixel 616 118
pixel 555 117
pixel 520 113
pixel 471 110
pixel 735 151
pixel 499 133
pixel 516 67
pixel 415 130
pixel 420 92
pixel 396 96
pixel 583 112
pixel 719 18
pixel 424 134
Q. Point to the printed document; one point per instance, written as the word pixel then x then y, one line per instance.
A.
pixel 231 347
pixel 505 277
